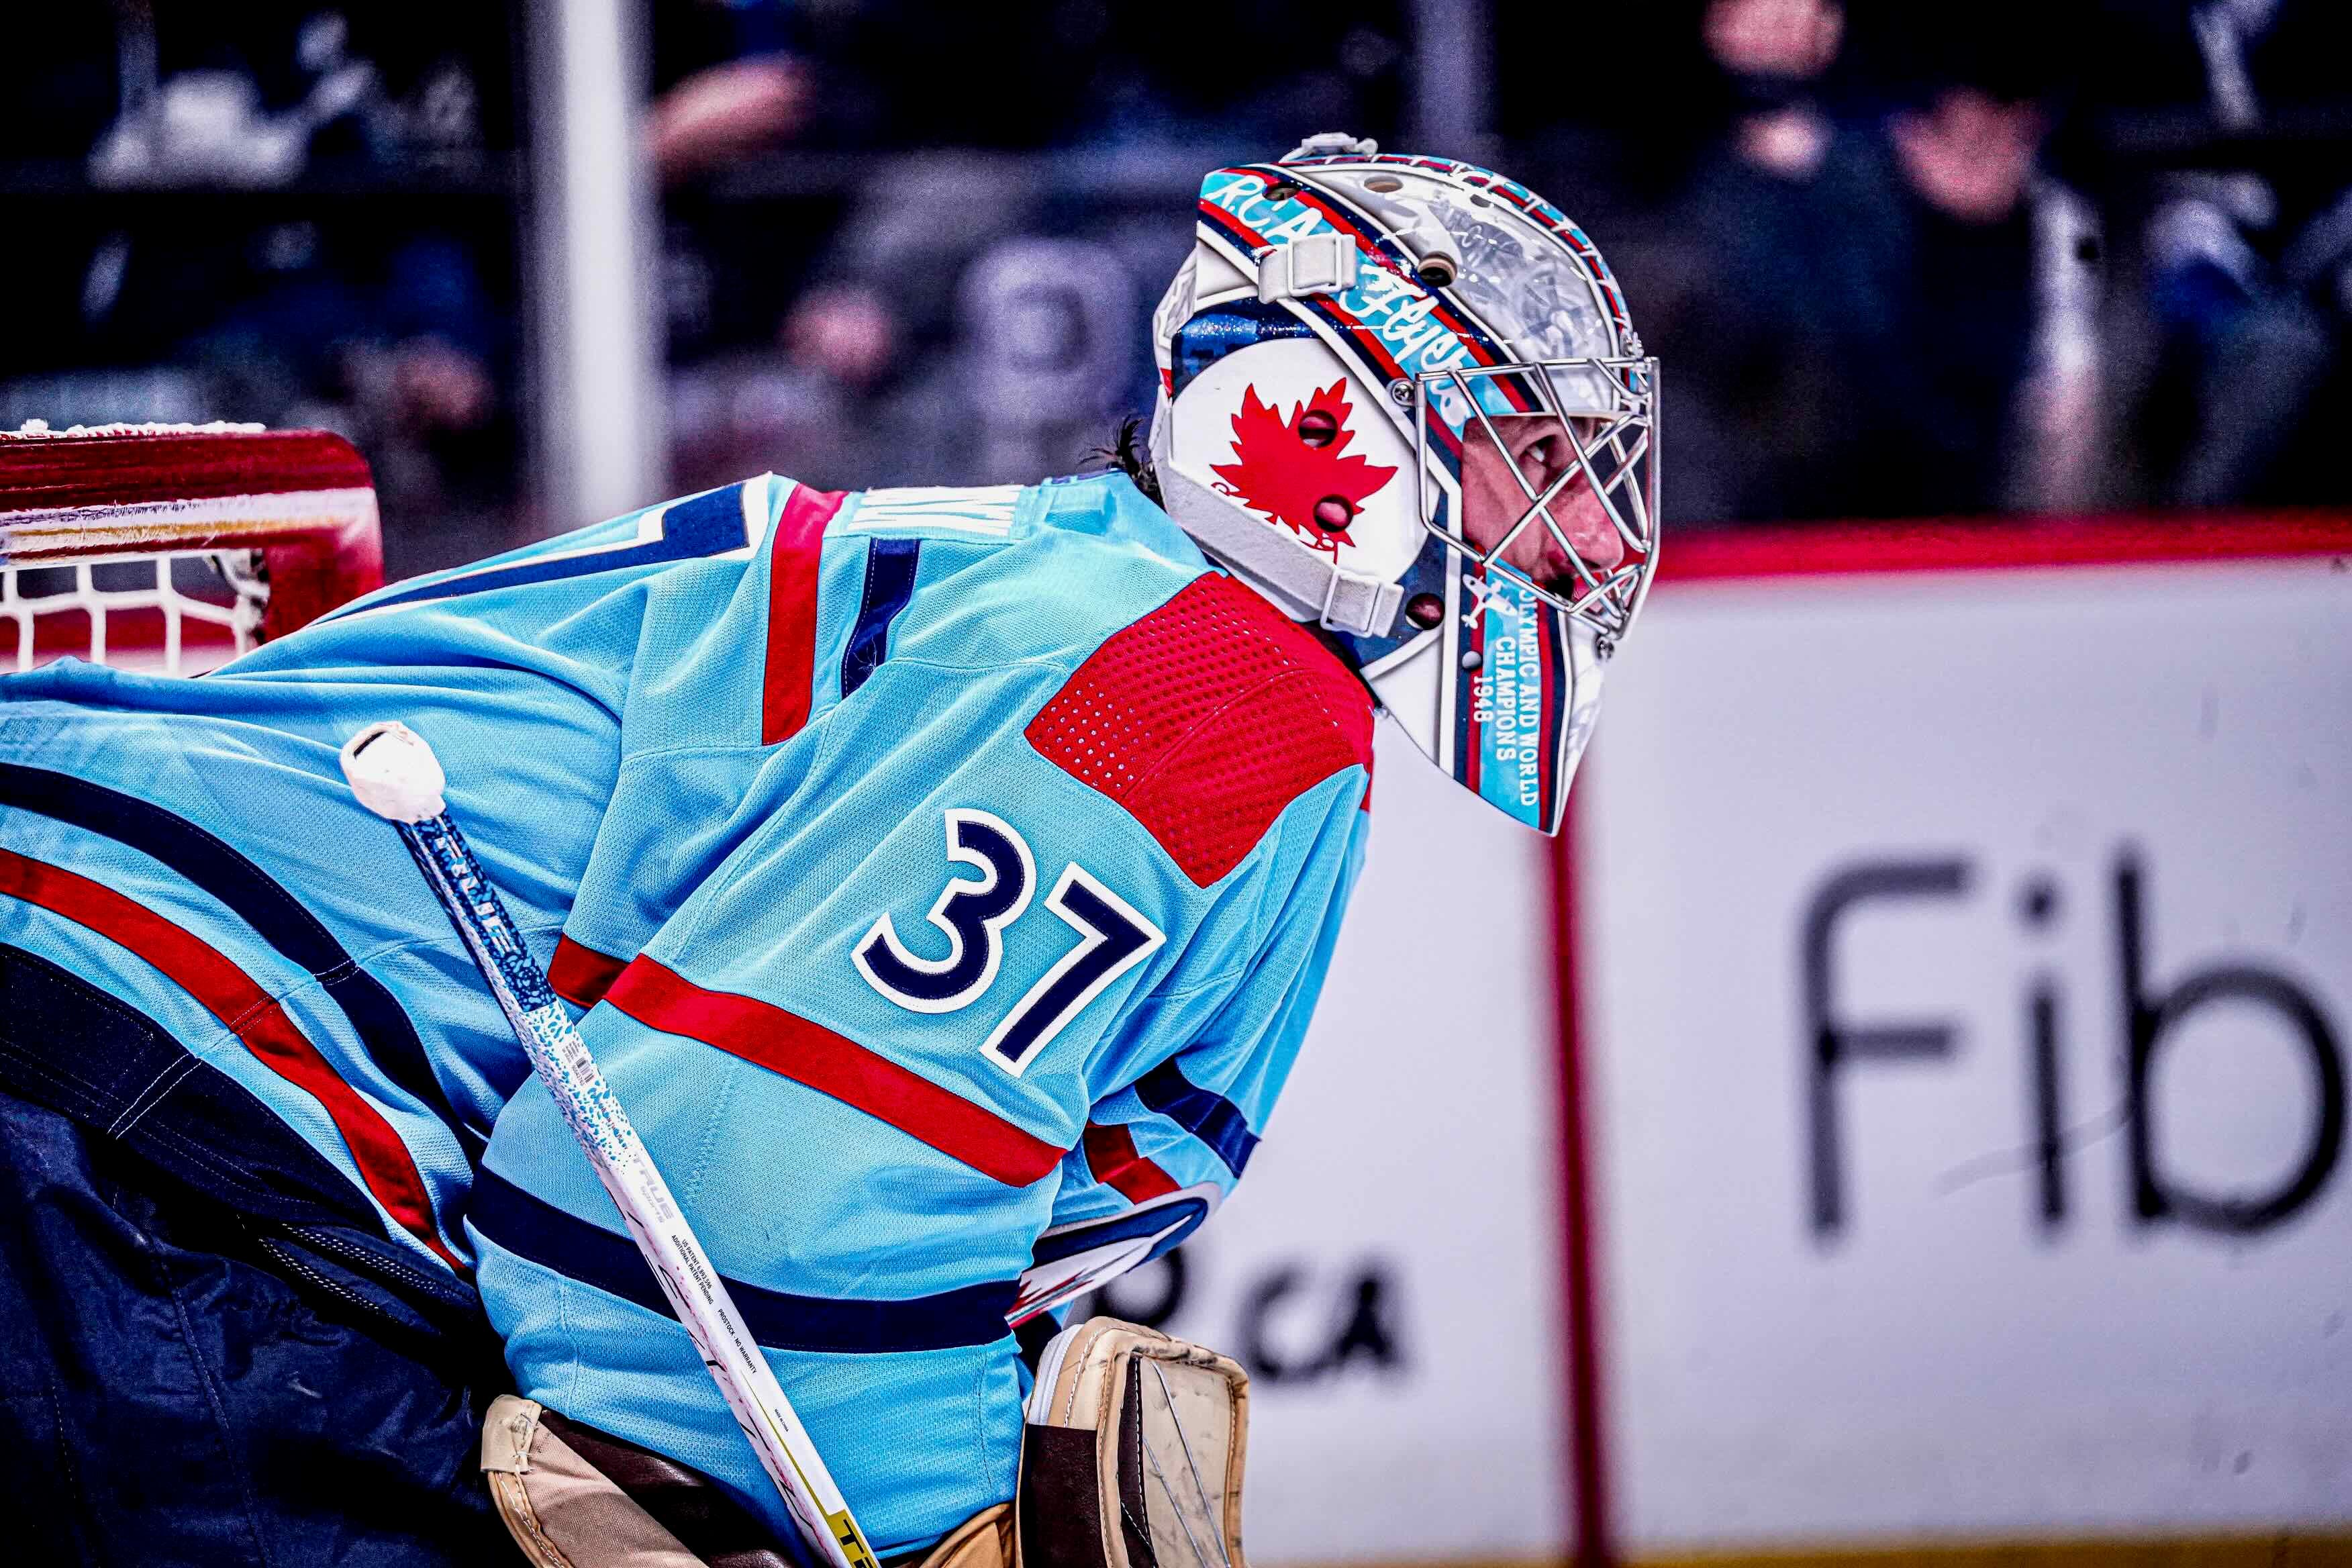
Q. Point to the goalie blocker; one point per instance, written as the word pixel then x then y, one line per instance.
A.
pixel 1132 1458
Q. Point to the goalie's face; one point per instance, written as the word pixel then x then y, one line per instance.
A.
pixel 1532 456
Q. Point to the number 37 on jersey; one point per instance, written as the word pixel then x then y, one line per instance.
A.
pixel 974 913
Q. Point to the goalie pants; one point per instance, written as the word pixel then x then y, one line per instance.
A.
pixel 169 1393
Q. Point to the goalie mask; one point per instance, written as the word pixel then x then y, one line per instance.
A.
pixel 1401 397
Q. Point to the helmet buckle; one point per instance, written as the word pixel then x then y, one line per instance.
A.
pixel 1359 605
pixel 1332 145
pixel 1325 263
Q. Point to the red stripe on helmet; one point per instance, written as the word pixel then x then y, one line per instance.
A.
pixel 1473 730
pixel 1484 348
pixel 1364 339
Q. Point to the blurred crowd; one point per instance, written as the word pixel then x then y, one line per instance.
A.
pixel 272 211
pixel 1014 189
pixel 1925 259
pixel 1898 259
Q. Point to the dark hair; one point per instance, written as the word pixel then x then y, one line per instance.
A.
pixel 1126 454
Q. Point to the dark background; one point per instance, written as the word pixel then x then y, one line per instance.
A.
pixel 1898 259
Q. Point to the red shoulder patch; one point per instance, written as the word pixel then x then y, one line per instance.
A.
pixel 1206 718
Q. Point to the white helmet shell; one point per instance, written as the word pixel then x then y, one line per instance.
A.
pixel 1344 319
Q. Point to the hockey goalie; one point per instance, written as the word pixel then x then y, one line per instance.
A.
pixel 936 883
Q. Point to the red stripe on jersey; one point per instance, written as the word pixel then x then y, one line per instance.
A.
pixel 810 1054
pixel 792 611
pixel 1111 1156
pixel 582 975
pixel 230 994
pixel 1206 718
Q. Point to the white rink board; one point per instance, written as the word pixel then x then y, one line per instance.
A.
pixel 1415 1142
pixel 1946 1363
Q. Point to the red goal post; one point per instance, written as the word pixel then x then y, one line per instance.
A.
pixel 176 547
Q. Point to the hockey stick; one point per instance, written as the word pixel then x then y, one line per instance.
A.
pixel 395 775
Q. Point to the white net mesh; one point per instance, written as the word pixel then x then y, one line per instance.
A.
pixel 175 548
pixel 174 612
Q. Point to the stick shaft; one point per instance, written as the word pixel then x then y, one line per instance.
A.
pixel 696 1292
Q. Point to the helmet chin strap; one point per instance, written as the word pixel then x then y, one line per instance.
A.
pixel 1304 583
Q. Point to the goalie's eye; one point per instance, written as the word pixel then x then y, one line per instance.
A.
pixel 1546 460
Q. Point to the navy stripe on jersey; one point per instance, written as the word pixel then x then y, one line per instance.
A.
pixel 249 892
pixel 1210 1117
pixel 1168 1223
pixel 67 1046
pixel 708 524
pixel 541 1233
pixel 890 584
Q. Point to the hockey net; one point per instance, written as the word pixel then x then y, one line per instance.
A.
pixel 176 548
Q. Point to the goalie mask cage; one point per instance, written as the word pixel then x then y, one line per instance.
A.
pixel 176 548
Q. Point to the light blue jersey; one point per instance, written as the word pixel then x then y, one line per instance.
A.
pixel 945 878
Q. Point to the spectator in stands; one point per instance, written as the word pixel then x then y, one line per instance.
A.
pixel 1879 332
pixel 373 317
pixel 729 81
pixel 848 354
pixel 2245 242
pixel 1747 306
pixel 904 75
pixel 1773 54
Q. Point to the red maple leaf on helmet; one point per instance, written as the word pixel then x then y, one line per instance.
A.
pixel 1297 472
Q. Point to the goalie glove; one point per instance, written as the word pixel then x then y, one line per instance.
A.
pixel 1132 1455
